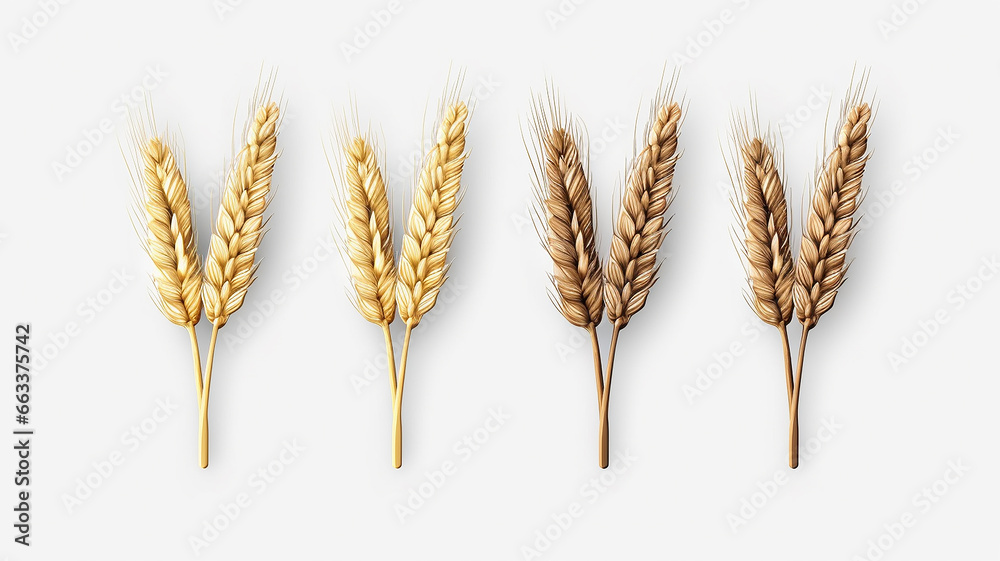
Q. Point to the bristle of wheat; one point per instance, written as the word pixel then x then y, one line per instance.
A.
pixel 763 213
pixel 631 270
pixel 430 227
pixel 239 228
pixel 368 236
pixel 564 208
pixel 829 226
pixel 170 237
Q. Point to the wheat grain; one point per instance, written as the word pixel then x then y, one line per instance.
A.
pixel 827 234
pixel 761 210
pixel 239 228
pixel 829 225
pixel 631 270
pixel 564 208
pixel 430 227
pixel 368 239
pixel 763 214
pixel 170 237
pixel 563 215
pixel 162 213
pixel 430 230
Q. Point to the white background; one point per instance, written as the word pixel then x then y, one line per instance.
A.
pixel 498 343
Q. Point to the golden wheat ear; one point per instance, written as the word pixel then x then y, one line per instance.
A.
pixel 430 230
pixel 761 233
pixel 367 228
pixel 239 229
pixel 365 232
pixel 161 214
pixel 828 230
pixel 632 267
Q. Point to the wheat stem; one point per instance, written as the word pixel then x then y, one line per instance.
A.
pixel 391 359
pixel 598 367
pixel 203 408
pixel 603 432
pixel 196 354
pixel 786 348
pixel 793 413
pixel 397 404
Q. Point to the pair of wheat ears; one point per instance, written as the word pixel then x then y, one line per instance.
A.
pixel 183 285
pixel 381 287
pixel 777 285
pixel 564 217
pixel 809 284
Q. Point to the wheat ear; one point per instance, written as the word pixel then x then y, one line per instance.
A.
pixel 430 230
pixel 170 238
pixel 762 212
pixel 632 267
pixel 368 239
pixel 564 217
pixel 239 229
pixel 827 233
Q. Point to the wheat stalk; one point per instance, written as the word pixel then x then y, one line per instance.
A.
pixel 366 242
pixel 631 270
pixel 239 229
pixel 564 217
pixel 163 209
pixel 430 230
pixel 827 233
pixel 762 212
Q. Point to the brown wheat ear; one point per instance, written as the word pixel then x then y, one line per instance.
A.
pixel 631 270
pixel 827 233
pixel 762 212
pixel 239 229
pixel 423 263
pixel 564 216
